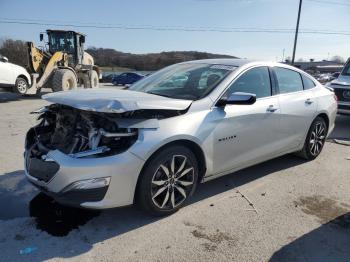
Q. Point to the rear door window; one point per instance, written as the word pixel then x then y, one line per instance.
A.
pixel 288 80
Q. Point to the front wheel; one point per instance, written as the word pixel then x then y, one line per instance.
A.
pixel 315 139
pixel 168 180
pixel 64 80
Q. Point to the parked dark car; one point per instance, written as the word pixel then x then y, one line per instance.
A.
pixel 126 78
pixel 108 78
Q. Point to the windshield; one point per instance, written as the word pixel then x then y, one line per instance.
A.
pixel 62 41
pixel 346 70
pixel 190 81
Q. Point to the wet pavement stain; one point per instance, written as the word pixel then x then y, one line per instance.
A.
pixel 214 240
pixel 18 198
pixel 324 209
pixel 55 219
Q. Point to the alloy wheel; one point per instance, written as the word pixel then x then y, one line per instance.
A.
pixel 22 86
pixel 317 138
pixel 172 182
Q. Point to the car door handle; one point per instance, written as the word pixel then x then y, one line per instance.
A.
pixel 271 109
pixel 308 101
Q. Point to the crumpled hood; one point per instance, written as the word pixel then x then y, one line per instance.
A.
pixel 115 101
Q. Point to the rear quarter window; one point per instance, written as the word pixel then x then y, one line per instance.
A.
pixel 288 80
pixel 308 83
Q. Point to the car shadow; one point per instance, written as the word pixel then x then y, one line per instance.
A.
pixel 329 242
pixel 98 226
pixel 11 97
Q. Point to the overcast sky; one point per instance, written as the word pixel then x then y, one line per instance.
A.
pixel 160 25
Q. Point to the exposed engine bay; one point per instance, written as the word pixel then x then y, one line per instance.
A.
pixel 81 133
pixel 78 133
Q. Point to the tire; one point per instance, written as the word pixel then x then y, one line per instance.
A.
pixel 64 80
pixel 315 139
pixel 163 187
pixel 21 86
pixel 94 79
pixel 92 82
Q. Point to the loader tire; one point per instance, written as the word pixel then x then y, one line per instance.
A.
pixel 64 80
pixel 92 81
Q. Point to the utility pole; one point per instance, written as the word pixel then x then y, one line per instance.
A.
pixel 296 32
pixel 283 55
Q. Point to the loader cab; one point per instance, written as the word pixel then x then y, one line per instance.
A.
pixel 69 42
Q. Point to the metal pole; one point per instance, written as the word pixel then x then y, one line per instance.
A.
pixel 296 32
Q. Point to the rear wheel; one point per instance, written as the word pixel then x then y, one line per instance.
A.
pixel 92 81
pixel 168 180
pixel 315 139
pixel 21 86
pixel 64 80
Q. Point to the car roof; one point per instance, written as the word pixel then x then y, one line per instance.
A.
pixel 224 61
pixel 239 62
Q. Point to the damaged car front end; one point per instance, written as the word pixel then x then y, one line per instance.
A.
pixel 75 155
pixel 69 140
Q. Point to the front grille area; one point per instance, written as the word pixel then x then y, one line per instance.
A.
pixel 339 92
pixel 344 107
pixel 40 169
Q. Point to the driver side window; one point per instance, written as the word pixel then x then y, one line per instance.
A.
pixel 255 81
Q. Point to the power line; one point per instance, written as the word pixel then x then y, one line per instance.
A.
pixel 329 2
pixel 316 1
pixel 199 28
pixel 79 23
pixel 175 28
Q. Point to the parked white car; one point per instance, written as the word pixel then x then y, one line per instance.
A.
pixel 13 76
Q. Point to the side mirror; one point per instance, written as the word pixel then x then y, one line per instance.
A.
pixel 237 98
pixel 82 39
pixel 41 37
pixel 4 59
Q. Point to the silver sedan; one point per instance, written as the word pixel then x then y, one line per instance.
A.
pixel 185 124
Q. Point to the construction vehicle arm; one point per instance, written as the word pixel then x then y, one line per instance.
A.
pixel 42 66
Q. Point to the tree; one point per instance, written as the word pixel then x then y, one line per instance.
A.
pixel 15 51
pixel 288 59
pixel 337 59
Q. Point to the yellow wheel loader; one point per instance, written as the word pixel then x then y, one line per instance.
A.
pixel 62 64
